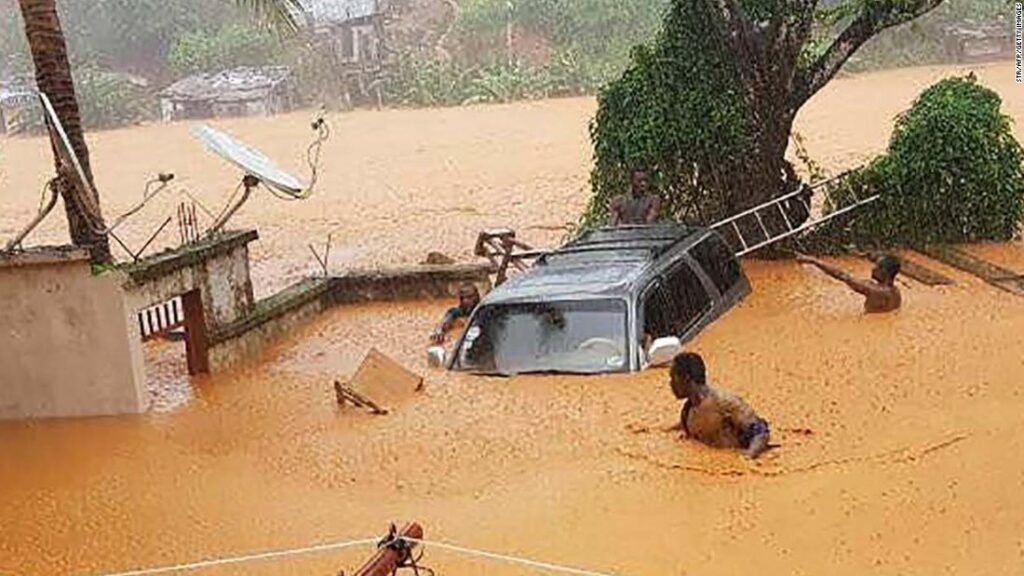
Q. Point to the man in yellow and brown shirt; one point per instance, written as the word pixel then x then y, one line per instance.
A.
pixel 715 416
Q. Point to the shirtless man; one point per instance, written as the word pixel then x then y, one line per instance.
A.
pixel 880 293
pixel 715 416
pixel 637 207
pixel 469 299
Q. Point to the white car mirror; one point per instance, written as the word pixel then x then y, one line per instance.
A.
pixel 435 356
pixel 663 350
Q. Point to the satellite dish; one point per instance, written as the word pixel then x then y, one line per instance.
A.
pixel 250 160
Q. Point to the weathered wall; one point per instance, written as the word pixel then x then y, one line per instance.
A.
pixel 408 283
pixel 69 344
pixel 218 268
pixel 275 317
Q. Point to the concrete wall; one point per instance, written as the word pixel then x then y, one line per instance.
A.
pixel 218 268
pixel 69 343
pixel 274 318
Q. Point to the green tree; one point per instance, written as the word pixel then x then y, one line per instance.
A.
pixel 953 172
pixel 710 103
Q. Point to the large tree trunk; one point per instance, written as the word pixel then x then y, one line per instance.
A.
pixel 53 77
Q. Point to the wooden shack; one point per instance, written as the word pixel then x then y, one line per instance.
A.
pixel 243 91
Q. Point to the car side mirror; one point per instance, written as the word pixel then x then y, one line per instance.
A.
pixel 436 356
pixel 663 350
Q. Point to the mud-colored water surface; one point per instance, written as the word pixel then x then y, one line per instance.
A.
pixel 898 433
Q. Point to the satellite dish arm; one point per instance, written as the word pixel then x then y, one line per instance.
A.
pixel 51 186
pixel 323 133
pixel 249 182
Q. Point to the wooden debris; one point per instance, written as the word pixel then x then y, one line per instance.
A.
pixel 1002 278
pixel 438 259
pixel 346 394
pixel 384 380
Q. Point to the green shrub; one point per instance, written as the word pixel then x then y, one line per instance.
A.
pixel 108 100
pixel 227 47
pixel 953 173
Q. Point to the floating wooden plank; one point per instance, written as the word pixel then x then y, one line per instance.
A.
pixel 346 395
pixel 1002 278
pixel 917 271
pixel 385 380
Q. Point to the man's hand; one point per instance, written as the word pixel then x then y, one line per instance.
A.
pixel 437 336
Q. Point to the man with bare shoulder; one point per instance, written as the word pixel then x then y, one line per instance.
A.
pixel 715 416
pixel 880 292
pixel 640 206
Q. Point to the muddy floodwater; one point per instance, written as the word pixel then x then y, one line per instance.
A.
pixel 899 435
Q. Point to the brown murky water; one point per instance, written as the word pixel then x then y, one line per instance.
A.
pixel 898 433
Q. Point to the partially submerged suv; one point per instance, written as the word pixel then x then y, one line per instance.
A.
pixel 612 300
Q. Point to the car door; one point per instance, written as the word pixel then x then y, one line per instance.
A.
pixel 678 303
pixel 718 263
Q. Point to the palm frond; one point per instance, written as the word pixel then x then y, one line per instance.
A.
pixel 282 15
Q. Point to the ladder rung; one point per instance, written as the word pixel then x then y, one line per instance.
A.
pixel 760 223
pixel 785 216
pixel 739 234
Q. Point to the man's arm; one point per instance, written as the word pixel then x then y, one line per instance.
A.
pixel 437 336
pixel 655 211
pixel 744 418
pixel 857 285
pixel 616 211
pixel 758 445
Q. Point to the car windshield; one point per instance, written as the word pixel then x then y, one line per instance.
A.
pixel 587 336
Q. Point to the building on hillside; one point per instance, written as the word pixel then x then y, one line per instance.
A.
pixel 244 91
pixel 19 106
pixel 349 37
pixel 977 41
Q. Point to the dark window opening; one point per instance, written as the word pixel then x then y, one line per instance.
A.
pixel 675 304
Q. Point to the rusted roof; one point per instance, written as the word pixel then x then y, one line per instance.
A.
pixel 234 85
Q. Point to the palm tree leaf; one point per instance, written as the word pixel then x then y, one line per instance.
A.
pixel 282 15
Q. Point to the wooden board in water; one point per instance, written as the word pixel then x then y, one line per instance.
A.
pixel 385 381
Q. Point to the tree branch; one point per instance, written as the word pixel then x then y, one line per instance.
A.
pixel 875 16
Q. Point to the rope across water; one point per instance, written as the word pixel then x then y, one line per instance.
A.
pixel 320 548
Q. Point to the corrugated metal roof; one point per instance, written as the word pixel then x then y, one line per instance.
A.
pixel 234 85
pixel 337 11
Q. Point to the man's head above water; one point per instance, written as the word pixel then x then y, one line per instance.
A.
pixel 886 270
pixel 469 297
pixel 688 374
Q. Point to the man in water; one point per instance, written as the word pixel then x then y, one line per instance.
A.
pixel 637 207
pixel 880 293
pixel 715 416
pixel 469 298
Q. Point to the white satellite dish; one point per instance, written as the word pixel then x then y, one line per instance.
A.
pixel 250 160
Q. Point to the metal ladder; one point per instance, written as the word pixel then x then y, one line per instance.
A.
pixel 779 206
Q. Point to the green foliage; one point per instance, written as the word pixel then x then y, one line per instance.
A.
pixel 107 100
pixel 227 47
pixel 953 173
pixel 580 44
pixel 418 81
pixel 677 111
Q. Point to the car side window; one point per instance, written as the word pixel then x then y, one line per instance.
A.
pixel 718 262
pixel 675 304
